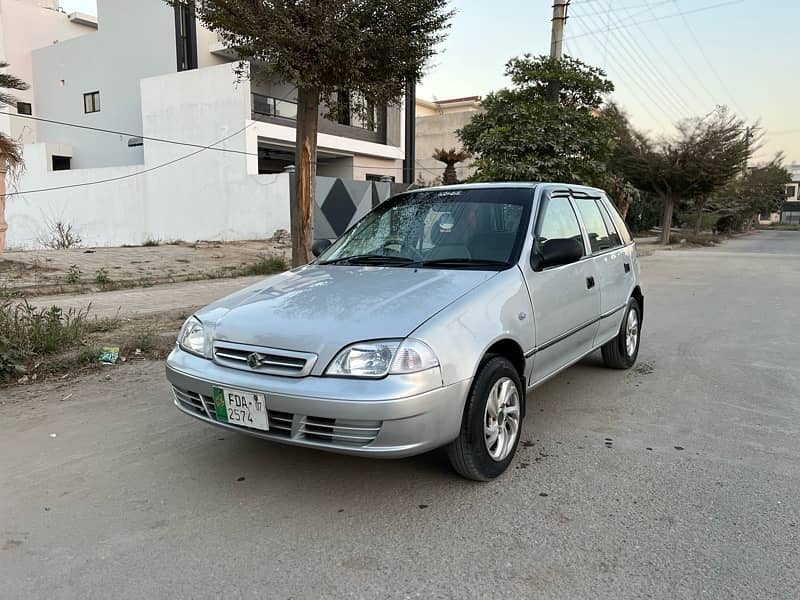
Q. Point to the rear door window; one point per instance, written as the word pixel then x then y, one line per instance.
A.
pixel 599 236
pixel 622 227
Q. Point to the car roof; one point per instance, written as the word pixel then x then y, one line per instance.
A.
pixel 512 184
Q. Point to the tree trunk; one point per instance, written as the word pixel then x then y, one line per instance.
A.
pixel 304 205
pixel 698 224
pixel 666 222
pixel 624 206
pixel 450 177
pixel 3 224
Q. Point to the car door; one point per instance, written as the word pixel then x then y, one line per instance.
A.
pixel 566 299
pixel 611 261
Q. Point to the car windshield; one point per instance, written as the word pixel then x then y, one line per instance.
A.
pixel 447 229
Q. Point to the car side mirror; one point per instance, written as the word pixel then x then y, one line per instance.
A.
pixel 319 246
pixel 556 253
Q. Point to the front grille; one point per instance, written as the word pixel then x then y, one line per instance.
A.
pixel 321 430
pixel 270 361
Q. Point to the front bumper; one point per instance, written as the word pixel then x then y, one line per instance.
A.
pixel 393 417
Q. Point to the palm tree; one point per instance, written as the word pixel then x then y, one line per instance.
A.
pixel 450 158
pixel 10 150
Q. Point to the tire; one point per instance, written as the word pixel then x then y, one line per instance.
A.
pixel 472 454
pixel 617 353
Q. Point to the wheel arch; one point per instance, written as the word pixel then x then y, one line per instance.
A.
pixel 637 293
pixel 510 349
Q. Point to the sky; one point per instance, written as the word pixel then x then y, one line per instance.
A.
pixel 666 66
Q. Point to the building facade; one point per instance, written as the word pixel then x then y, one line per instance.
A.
pixel 436 126
pixel 26 25
pixel 95 81
pixel 151 122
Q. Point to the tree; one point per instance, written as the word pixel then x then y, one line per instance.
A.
pixel 521 134
pixel 760 190
pixel 11 161
pixel 368 50
pixel 450 158
pixel 705 155
pixel 622 191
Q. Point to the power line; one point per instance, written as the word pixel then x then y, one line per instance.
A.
pixel 688 65
pixel 663 59
pixel 127 134
pixel 129 175
pixel 663 87
pixel 620 8
pixel 188 144
pixel 629 24
pixel 634 80
pixel 708 62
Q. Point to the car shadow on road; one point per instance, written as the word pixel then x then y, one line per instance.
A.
pixel 267 466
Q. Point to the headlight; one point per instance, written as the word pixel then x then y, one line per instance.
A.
pixel 192 337
pixel 384 357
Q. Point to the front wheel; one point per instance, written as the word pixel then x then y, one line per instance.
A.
pixel 491 424
pixel 621 352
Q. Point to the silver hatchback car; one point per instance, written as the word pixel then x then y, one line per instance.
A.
pixel 425 325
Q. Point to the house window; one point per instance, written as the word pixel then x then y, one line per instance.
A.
pixel 24 108
pixel 185 37
pixel 357 111
pixel 790 191
pixel 61 163
pixel 91 102
pixel 374 177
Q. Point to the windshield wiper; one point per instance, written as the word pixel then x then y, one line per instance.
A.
pixel 463 263
pixel 370 259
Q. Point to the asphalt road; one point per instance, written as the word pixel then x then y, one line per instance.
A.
pixel 678 479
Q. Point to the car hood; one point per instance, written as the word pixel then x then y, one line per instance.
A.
pixel 322 309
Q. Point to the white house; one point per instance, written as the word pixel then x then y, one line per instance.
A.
pixel 146 78
pixel 26 25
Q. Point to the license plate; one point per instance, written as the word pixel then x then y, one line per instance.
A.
pixel 241 408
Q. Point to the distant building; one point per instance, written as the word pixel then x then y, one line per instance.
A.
pixel 437 123
pixel 97 80
pixel 121 90
pixel 26 25
pixel 794 171
pixel 790 211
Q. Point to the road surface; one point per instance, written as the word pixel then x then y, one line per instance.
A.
pixel 678 479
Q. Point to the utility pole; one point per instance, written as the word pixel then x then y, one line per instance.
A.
pixel 559 21
pixel 557 41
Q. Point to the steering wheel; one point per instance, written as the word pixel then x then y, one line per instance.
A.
pixel 398 247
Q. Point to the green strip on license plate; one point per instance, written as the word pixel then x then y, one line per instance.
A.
pixel 219 405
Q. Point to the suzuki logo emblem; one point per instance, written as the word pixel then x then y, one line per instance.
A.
pixel 254 360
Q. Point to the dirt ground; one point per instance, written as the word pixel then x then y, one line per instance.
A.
pixel 39 272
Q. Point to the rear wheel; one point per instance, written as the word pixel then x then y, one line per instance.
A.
pixel 491 424
pixel 621 352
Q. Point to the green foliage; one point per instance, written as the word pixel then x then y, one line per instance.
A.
pixel 522 135
pixel 151 243
pixel 760 190
pixel 74 274
pixel 101 276
pixel 265 265
pixel 729 224
pixel 704 156
pixel 370 47
pixel 644 212
pixel 10 149
pixel 29 332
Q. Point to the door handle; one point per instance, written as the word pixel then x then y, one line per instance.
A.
pixel 589 283
pixel 627 267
